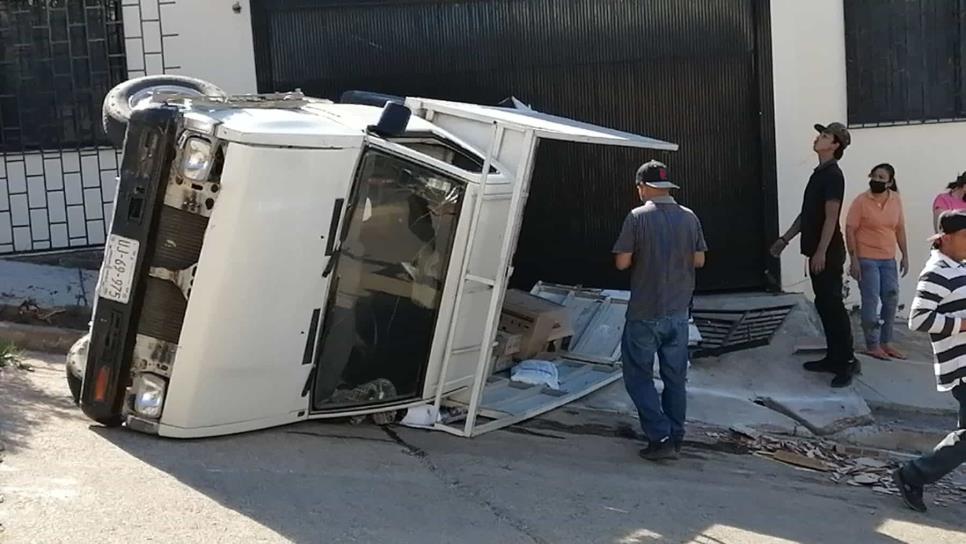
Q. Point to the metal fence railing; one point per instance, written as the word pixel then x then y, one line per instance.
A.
pixel 58 58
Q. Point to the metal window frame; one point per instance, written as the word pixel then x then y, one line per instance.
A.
pixel 865 87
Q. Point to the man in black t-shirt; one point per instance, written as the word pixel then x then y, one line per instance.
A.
pixel 822 244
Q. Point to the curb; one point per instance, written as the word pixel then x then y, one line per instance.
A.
pixel 39 338
pixel 611 423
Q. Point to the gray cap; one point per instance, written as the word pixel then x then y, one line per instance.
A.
pixel 838 130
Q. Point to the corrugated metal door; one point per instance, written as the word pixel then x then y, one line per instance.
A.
pixel 685 71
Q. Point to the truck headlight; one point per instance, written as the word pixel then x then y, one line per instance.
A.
pixel 148 395
pixel 196 159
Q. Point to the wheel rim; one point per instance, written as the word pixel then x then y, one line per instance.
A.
pixel 159 94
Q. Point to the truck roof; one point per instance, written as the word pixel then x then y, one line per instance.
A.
pixel 314 124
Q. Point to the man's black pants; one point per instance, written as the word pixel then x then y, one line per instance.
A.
pixel 827 286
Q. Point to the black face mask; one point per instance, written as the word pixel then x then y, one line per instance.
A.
pixel 877 186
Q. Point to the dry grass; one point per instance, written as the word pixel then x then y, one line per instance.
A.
pixel 10 355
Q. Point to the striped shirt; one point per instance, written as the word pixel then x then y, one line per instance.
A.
pixel 939 309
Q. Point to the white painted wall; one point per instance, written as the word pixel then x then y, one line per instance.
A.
pixel 810 87
pixel 199 38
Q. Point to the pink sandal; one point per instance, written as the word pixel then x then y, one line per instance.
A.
pixel 892 352
pixel 880 354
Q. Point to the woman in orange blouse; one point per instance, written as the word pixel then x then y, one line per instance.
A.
pixel 874 227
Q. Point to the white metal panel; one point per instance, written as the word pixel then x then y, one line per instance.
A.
pixel 282 127
pixel 258 280
pixel 544 125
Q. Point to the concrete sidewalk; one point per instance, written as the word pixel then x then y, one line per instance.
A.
pixel 763 388
pixel 904 386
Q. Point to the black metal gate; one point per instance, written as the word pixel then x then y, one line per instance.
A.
pixel 694 72
pixel 58 58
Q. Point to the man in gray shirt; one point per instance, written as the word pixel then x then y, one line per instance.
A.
pixel 662 243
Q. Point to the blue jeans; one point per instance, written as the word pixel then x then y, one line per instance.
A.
pixel 667 337
pixel 879 283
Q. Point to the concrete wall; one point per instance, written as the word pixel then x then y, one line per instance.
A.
pixel 200 38
pixel 810 86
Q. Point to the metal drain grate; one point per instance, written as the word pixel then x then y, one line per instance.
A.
pixel 724 331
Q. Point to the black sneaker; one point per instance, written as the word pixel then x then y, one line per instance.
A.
pixel 842 380
pixel 678 444
pixel 659 451
pixel 822 365
pixel 911 494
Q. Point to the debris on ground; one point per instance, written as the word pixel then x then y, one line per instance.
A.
pixel 11 355
pixel 30 308
pixel 844 464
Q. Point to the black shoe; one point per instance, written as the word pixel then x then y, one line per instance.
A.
pixel 678 444
pixel 822 365
pixel 659 451
pixel 911 494
pixel 842 380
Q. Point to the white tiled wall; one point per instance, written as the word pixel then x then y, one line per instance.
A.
pixel 58 199
pixel 207 39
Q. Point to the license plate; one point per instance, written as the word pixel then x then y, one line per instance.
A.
pixel 117 271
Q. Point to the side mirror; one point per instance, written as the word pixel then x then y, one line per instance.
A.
pixel 393 121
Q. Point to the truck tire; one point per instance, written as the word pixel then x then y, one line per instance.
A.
pixel 75 364
pixel 74 384
pixel 122 99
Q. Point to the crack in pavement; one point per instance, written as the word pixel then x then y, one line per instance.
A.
pixel 463 489
pixel 342 436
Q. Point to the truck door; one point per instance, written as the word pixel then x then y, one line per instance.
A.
pixel 387 283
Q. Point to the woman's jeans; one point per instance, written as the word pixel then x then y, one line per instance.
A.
pixel 880 289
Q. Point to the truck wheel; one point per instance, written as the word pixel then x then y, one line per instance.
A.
pixel 125 97
pixel 74 383
pixel 75 364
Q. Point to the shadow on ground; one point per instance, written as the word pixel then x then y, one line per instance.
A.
pixel 25 407
pixel 322 482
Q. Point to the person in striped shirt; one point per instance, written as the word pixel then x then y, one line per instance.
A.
pixel 940 310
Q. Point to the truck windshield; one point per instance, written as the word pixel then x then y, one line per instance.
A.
pixel 387 284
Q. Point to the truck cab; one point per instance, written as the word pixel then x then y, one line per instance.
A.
pixel 276 259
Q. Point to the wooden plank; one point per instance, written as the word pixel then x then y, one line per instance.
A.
pixel 798 460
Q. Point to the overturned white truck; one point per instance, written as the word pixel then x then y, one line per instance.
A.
pixel 277 258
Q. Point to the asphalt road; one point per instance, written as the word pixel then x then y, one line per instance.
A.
pixel 64 480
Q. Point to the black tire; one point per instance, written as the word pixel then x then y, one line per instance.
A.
pixel 117 104
pixel 113 421
pixel 75 384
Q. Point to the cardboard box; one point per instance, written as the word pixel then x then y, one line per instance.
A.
pixel 507 345
pixel 538 322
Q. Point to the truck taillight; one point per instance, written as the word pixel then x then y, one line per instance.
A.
pixel 101 383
